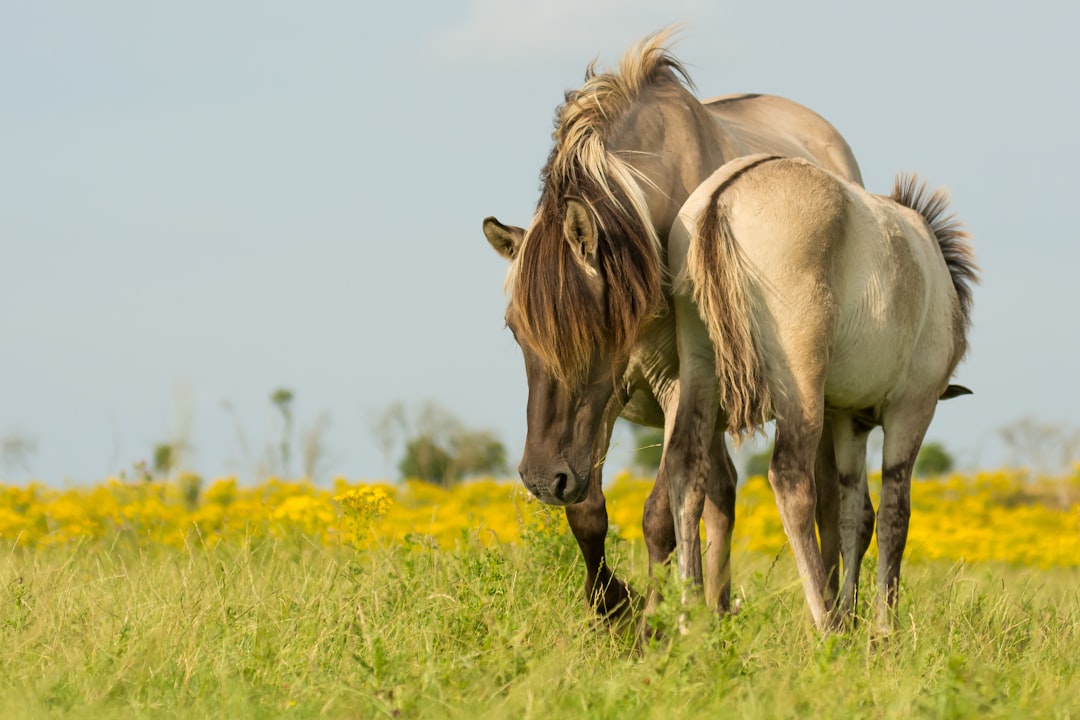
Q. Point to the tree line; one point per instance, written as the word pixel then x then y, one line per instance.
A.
pixel 432 444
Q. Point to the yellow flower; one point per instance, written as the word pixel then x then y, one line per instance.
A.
pixel 365 503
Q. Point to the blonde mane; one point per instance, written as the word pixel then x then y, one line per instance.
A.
pixel 559 314
pixel 583 122
pixel 716 273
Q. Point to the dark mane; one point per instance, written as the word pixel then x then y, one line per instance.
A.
pixel 952 238
pixel 560 317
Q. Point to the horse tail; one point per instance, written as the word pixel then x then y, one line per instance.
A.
pixel 952 237
pixel 717 272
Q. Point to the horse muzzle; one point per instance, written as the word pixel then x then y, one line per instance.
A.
pixel 558 485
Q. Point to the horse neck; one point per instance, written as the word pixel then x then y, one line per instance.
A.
pixel 671 139
pixel 654 364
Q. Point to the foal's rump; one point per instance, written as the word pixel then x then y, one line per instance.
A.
pixel 814 286
pixel 896 326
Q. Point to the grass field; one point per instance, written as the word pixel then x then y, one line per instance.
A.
pixel 267 619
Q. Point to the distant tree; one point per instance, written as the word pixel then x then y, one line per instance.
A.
pixel 437 446
pixel 476 452
pixel 758 463
pixel 648 449
pixel 933 459
pixel 16 451
pixel 1042 447
pixel 164 459
pixel 426 460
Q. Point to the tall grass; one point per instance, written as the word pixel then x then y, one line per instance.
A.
pixel 285 627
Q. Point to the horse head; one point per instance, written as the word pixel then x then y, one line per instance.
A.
pixel 571 369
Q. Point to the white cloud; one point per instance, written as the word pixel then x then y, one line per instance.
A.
pixel 529 32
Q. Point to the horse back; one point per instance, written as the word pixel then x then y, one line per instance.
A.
pixel 754 123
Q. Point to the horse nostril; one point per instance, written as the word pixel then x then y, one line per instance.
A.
pixel 558 488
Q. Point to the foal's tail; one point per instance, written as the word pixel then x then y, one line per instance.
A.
pixel 951 235
pixel 718 276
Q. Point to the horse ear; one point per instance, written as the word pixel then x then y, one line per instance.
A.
pixel 580 231
pixel 506 239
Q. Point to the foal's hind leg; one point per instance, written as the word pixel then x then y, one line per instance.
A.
pixel 719 515
pixel 588 521
pixel 905 425
pixel 791 474
pixel 849 441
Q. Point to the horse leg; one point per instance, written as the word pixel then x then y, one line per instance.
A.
pixel 828 513
pixel 658 527
pixel 588 521
pixel 719 515
pixel 905 425
pixel 866 526
pixel 686 462
pixel 849 442
pixel 688 467
pixel 791 474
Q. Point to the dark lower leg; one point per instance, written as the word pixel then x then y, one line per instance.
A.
pixel 894 514
pixel 828 513
pixel 791 474
pixel 588 522
pixel 719 515
pixel 658 527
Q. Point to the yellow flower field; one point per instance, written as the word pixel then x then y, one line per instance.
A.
pixel 1000 516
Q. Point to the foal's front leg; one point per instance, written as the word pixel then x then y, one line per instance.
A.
pixel 687 468
pixel 719 514
pixel 658 528
pixel 687 463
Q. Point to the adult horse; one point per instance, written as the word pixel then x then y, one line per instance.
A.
pixel 798 297
pixel 629 148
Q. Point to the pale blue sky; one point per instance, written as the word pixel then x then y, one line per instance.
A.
pixel 200 202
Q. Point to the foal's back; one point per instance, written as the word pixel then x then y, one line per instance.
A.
pixel 850 289
pixel 853 284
